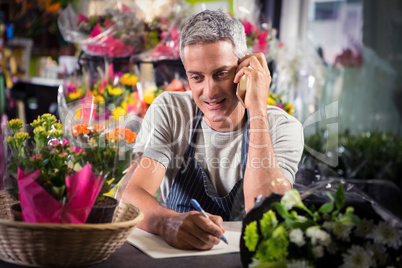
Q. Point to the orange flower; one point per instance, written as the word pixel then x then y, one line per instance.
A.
pixel 98 128
pixel 80 129
pixel 130 136
pixel 121 133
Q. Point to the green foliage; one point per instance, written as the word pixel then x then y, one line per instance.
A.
pixel 369 155
pixel 333 236
pixel 45 151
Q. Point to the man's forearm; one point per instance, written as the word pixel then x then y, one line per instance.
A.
pixel 155 214
pixel 263 175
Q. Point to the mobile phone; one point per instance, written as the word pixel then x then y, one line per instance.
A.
pixel 241 90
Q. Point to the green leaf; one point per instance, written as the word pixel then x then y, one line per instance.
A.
pixel 281 210
pixel 298 223
pixel 326 208
pixel 340 197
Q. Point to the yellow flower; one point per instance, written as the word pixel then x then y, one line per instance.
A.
pixel 289 108
pixel 149 99
pixel 21 136
pixel 58 126
pixel 129 79
pixel 75 95
pixel 15 124
pixel 99 99
pixel 119 111
pixel 149 95
pixel 116 91
pixel 132 100
pixel 271 101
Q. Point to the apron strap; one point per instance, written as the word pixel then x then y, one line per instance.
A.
pixel 190 148
pixel 244 145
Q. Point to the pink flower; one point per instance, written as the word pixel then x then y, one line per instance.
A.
pixel 175 34
pixel 76 151
pixel 125 8
pixel 108 23
pixel 81 18
pixel 71 88
pixel 248 27
pixel 65 143
pixel 110 71
pixel 263 39
pixel 280 106
pixel 36 157
pixel 55 143
pixel 102 86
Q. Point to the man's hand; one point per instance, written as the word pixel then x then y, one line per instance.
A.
pixel 192 231
pixel 259 79
pixel 259 178
pixel 181 230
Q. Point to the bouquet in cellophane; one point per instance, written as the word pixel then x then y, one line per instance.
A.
pixel 52 178
pixel 100 27
pixel 112 97
pixel 122 28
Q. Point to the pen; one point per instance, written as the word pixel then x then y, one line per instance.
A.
pixel 197 206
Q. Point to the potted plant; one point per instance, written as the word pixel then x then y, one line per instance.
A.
pixel 108 152
pixel 57 181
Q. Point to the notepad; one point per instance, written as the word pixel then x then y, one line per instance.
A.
pixel 155 247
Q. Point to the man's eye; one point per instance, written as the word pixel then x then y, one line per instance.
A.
pixel 222 74
pixel 195 78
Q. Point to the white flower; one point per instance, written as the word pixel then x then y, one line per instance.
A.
pixel 291 199
pixel 342 230
pixel 386 235
pixel 364 228
pixel 379 253
pixel 318 252
pixel 296 236
pixel 297 264
pixel 318 236
pixel 357 257
pixel 328 225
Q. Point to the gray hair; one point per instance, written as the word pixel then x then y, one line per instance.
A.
pixel 212 26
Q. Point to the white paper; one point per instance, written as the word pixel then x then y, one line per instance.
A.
pixel 155 247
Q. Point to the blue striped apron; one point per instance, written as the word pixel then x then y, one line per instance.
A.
pixel 191 182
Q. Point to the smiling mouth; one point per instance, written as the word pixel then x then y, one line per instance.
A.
pixel 215 103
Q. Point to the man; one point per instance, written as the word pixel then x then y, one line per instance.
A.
pixel 204 144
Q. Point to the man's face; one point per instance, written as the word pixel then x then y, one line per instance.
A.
pixel 211 69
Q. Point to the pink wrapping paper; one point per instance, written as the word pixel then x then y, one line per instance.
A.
pixel 107 45
pixel 38 206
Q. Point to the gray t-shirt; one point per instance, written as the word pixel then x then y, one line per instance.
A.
pixel 166 131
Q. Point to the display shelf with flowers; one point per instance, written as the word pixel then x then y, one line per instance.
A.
pixel 345 231
pixel 108 98
pixel 123 29
pixel 58 182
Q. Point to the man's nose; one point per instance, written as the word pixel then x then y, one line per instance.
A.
pixel 210 89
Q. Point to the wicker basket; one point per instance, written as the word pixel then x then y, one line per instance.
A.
pixel 62 245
